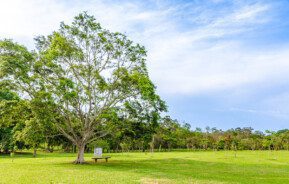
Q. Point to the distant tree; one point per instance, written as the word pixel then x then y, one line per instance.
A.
pixel 32 134
pixel 9 104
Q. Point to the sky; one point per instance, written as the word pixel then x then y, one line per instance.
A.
pixel 216 63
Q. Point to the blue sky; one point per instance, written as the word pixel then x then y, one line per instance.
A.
pixel 217 63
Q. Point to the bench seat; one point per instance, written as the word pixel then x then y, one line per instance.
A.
pixel 96 158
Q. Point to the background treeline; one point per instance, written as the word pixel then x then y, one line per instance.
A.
pixel 133 135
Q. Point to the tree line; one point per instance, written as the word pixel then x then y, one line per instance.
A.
pixel 167 135
pixel 171 135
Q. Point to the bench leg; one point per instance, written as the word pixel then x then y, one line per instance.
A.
pixel 95 160
pixel 106 159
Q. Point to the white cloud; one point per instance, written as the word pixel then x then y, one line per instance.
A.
pixel 273 113
pixel 182 59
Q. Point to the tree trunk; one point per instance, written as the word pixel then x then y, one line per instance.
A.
pixel 152 144
pixel 80 155
pixel 34 152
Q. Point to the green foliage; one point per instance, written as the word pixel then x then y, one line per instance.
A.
pixel 32 133
pixel 6 141
pixel 171 135
pixel 99 143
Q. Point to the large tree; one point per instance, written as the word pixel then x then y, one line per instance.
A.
pixel 81 75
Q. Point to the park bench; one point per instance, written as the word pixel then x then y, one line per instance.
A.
pixel 96 158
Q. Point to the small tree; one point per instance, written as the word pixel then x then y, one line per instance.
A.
pixel 32 134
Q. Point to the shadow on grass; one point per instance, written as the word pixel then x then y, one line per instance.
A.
pixel 17 154
pixel 29 154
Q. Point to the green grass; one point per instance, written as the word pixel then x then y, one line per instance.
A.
pixel 166 167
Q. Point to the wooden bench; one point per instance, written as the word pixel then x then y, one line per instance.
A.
pixel 96 158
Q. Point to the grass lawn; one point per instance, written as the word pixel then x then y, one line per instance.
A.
pixel 167 167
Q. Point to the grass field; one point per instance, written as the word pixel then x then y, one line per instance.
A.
pixel 167 167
